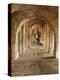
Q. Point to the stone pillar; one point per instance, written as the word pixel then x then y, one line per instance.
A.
pixel 24 39
pixel 21 40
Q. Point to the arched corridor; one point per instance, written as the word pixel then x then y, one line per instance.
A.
pixel 33 39
pixel 26 38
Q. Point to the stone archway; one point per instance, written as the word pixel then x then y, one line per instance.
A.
pixel 19 34
pixel 24 38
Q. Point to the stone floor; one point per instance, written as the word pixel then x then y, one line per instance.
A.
pixel 35 67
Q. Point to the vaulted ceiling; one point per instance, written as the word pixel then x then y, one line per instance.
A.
pixel 50 13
